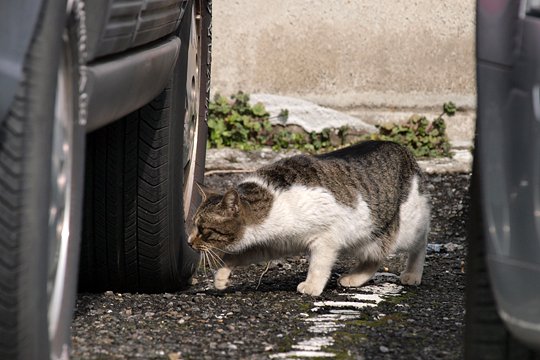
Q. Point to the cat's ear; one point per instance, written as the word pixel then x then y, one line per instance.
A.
pixel 231 200
pixel 203 190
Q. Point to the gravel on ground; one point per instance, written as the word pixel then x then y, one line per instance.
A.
pixel 249 321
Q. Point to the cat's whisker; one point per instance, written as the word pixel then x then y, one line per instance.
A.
pixel 206 258
pixel 218 259
pixel 217 249
pixel 210 260
pixel 204 253
pixel 200 264
pixel 214 264
pixel 219 262
pixel 210 263
pixel 204 262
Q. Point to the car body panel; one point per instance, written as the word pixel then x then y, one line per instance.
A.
pixel 114 25
pixel 124 83
pixel 508 128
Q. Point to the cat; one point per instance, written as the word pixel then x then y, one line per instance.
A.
pixel 368 199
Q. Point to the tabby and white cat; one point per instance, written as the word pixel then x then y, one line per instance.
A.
pixel 368 199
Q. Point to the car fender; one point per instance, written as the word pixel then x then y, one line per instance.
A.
pixel 508 146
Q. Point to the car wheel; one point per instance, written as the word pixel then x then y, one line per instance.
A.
pixel 486 337
pixel 140 173
pixel 41 154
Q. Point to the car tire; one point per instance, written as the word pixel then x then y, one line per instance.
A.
pixel 140 173
pixel 41 173
pixel 486 337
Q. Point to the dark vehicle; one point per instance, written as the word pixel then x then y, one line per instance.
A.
pixel 503 285
pixel 102 136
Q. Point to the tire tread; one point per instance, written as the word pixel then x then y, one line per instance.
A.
pixel 11 179
pixel 133 191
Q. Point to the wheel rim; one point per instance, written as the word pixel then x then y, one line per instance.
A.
pixel 191 123
pixel 61 201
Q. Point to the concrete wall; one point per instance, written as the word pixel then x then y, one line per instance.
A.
pixel 347 53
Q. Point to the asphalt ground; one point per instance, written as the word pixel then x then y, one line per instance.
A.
pixel 269 320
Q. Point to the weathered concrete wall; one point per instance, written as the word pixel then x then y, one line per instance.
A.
pixel 347 53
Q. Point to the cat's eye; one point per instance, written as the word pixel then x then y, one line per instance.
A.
pixel 206 232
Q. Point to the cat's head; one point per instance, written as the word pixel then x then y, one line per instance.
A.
pixel 218 222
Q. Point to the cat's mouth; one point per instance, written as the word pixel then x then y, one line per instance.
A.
pixel 197 244
pixel 192 241
pixel 195 241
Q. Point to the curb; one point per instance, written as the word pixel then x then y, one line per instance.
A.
pixel 229 160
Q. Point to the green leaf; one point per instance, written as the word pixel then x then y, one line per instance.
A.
pixel 283 115
pixel 449 108
pixel 259 110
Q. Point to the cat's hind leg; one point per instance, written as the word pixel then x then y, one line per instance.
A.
pixel 360 274
pixel 413 232
pixel 412 275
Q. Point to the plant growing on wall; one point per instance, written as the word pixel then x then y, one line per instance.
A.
pixel 234 122
pixel 422 137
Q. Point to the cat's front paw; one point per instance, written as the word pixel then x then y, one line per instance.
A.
pixel 221 284
pixel 408 278
pixel 221 278
pixel 310 288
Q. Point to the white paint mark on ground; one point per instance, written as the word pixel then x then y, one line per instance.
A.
pixel 336 312
pixel 344 311
pixel 302 354
pixel 335 317
pixel 324 326
pixel 344 304
pixel 314 344
pixel 378 292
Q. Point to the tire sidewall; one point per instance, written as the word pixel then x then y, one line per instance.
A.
pixel 187 262
pixel 74 48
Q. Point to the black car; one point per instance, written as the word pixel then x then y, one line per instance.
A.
pixel 102 136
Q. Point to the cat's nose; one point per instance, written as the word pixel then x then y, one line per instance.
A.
pixel 192 238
